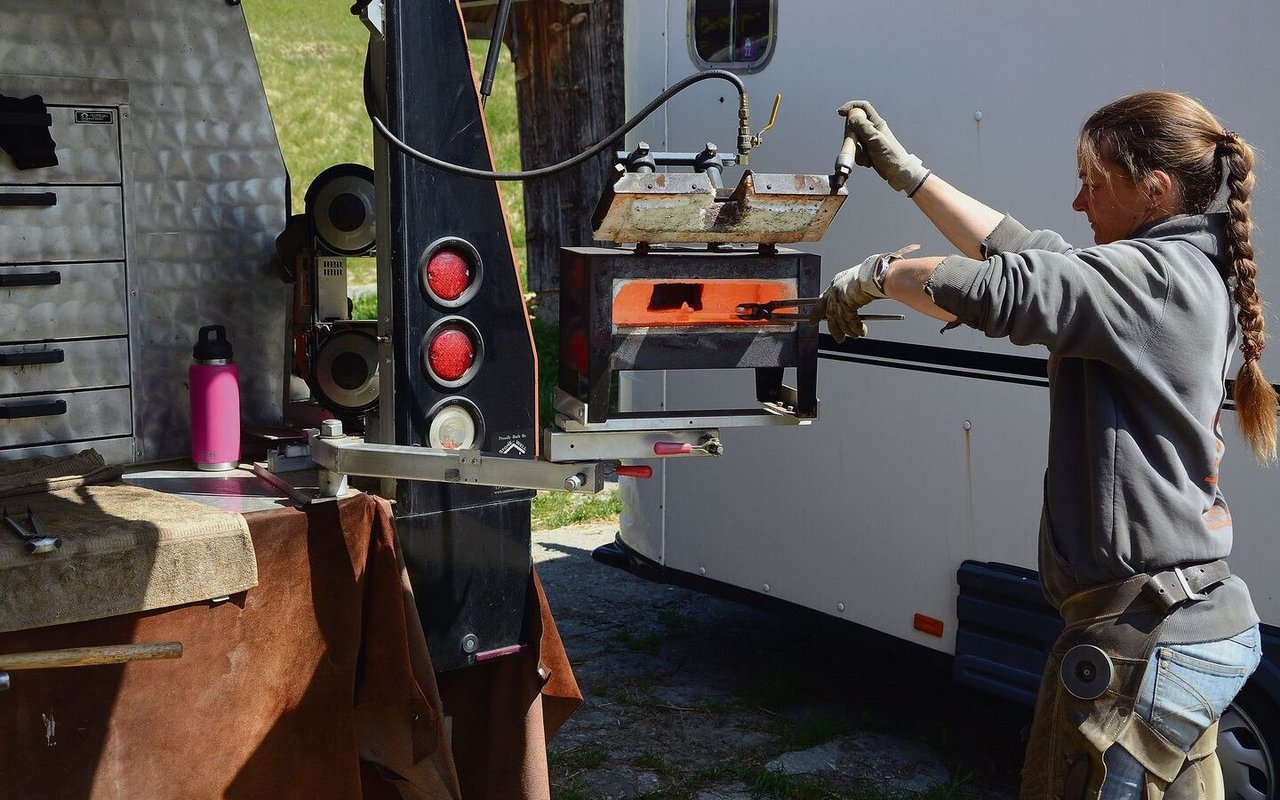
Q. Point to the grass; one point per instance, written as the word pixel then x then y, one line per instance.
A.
pixel 558 509
pixel 311 56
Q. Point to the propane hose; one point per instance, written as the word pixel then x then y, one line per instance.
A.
pixel 745 140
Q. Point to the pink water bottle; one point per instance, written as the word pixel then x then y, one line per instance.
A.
pixel 215 402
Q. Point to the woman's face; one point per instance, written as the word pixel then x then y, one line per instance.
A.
pixel 1114 204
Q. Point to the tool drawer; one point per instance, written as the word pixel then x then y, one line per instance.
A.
pixel 62 301
pixel 87 144
pixel 60 366
pixel 61 223
pixel 64 416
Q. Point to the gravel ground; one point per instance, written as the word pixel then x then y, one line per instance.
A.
pixel 690 696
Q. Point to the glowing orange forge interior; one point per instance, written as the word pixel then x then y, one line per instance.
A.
pixel 672 302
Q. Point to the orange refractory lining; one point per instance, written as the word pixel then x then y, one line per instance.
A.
pixel 673 302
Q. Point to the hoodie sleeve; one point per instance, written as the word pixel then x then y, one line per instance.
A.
pixel 1010 236
pixel 1100 302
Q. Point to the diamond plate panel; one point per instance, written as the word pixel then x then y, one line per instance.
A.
pixel 204 184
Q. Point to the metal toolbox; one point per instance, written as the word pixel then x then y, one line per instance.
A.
pixel 56 301
pixel 56 417
pixel 61 223
pixel 50 366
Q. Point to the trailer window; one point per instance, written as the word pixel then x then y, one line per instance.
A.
pixel 737 34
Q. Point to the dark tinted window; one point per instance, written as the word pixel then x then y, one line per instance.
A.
pixel 732 31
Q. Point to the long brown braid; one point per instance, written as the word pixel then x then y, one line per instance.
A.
pixel 1255 397
pixel 1177 135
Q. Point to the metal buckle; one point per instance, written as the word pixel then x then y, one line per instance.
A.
pixel 1186 587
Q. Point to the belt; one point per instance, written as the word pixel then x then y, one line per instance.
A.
pixel 1161 591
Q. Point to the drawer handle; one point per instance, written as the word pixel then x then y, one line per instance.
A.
pixel 50 278
pixel 40 408
pixel 38 199
pixel 55 356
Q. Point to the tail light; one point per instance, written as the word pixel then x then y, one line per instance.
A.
pixel 452 351
pixel 455 425
pixel 449 272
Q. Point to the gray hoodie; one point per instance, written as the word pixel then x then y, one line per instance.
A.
pixel 1140 333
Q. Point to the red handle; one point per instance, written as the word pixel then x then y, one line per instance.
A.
pixel 637 471
pixel 672 448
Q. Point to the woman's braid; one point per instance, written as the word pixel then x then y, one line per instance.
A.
pixel 1255 398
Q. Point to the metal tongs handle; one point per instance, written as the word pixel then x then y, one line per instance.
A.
pixel 768 311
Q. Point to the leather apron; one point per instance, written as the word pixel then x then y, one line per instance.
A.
pixel 1069 736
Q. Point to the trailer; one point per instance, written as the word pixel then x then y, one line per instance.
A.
pixel 911 506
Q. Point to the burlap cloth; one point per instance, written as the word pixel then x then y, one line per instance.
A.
pixel 124 548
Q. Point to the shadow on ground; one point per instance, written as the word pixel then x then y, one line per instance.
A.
pixel 690 696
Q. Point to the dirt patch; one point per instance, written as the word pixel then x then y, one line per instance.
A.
pixel 691 696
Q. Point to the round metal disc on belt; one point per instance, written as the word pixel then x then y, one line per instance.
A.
pixel 345 372
pixel 1086 671
pixel 340 207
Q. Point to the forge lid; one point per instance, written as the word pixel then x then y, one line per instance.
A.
pixel 764 208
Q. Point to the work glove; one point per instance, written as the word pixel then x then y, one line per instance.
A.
pixel 852 289
pixel 879 148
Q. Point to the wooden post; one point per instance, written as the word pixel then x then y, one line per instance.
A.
pixel 569 95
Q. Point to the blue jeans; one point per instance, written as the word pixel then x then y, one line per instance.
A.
pixel 1185 689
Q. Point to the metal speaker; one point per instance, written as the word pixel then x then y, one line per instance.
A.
pixel 340 208
pixel 1086 671
pixel 344 372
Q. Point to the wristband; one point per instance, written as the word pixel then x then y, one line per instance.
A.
pixel 927 173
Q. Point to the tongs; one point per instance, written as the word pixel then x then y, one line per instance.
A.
pixel 768 311
pixel 36 541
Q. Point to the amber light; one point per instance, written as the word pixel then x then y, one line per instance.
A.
pixel 448 274
pixel 671 302
pixel 928 625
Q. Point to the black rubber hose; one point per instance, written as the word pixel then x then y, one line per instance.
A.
pixel 495 45
pixel 542 172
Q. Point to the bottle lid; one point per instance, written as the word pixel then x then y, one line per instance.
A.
pixel 212 344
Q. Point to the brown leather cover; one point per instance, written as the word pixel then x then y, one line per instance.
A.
pixel 503 712
pixel 280 692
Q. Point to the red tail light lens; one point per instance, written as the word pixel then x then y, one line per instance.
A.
pixel 449 272
pixel 451 354
pixel 451 351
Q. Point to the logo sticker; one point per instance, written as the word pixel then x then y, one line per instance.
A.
pixel 85 116
pixel 513 444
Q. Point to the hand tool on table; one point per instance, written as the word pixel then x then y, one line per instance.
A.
pixel 37 541
pixel 86 657
pixel 768 311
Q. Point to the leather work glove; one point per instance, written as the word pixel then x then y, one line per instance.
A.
pixel 879 148
pixel 852 289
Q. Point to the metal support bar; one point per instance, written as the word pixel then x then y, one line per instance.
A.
pixel 354 456
pixel 562 446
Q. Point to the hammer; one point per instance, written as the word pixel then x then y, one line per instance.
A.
pixel 86 657
pixel 850 154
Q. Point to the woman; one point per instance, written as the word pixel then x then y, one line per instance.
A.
pixel 1159 635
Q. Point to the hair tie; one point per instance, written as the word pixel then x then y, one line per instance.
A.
pixel 1251 350
pixel 1226 138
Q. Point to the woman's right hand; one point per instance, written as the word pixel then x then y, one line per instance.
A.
pixel 879 148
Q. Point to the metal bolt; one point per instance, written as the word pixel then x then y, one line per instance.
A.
pixel 766 587
pixel 968 426
pixel 702 570
pixel 711 148
pixel 574 482
pixel 470 643
pixel 839 606
pixel 977 116
pixel 330 428
pixel 643 148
